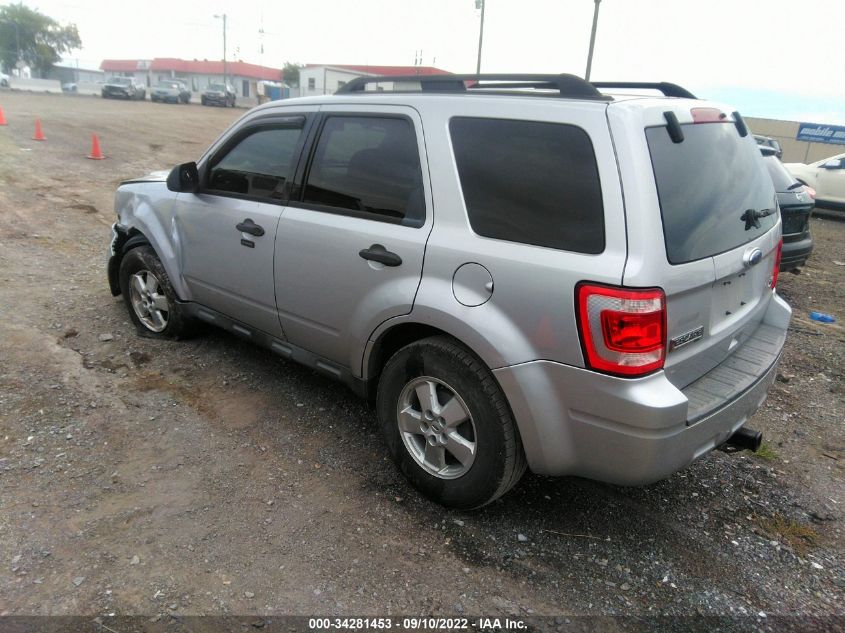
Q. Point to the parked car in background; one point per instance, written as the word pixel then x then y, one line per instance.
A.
pixel 768 141
pixel 219 94
pixel 826 176
pixel 170 91
pixel 796 204
pixel 4 80
pixel 70 87
pixel 123 88
pixel 616 322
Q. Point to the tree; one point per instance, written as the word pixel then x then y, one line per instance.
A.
pixel 290 73
pixel 36 39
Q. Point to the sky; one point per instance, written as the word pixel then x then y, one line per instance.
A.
pixel 769 58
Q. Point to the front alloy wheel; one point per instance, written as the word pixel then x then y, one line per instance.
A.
pixel 149 296
pixel 149 301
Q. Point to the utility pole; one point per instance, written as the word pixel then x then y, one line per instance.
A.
pixel 479 4
pixel 592 40
pixel 225 69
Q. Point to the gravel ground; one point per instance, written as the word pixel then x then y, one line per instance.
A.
pixel 208 477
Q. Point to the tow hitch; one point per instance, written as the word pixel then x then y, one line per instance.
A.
pixel 743 439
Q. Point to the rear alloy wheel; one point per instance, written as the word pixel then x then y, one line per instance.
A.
pixel 448 425
pixel 436 427
pixel 149 297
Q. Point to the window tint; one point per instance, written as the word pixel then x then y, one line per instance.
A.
pixel 706 185
pixel 259 165
pixel 369 165
pixel 530 182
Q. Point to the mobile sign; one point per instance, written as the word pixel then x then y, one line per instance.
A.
pixel 815 133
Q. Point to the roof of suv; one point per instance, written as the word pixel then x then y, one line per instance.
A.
pixel 406 90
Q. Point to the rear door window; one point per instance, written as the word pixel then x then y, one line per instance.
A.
pixel 713 188
pixel 367 166
pixel 530 182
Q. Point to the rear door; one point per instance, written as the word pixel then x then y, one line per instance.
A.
pixel 349 249
pixel 713 236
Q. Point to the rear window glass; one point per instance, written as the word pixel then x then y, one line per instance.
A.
pixel 781 179
pixel 368 165
pixel 530 182
pixel 706 184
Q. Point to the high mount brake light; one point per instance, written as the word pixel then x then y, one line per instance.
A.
pixel 708 115
pixel 623 330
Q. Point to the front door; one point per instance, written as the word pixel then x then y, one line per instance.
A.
pixel 349 249
pixel 227 230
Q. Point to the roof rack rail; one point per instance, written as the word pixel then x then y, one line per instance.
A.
pixel 668 89
pixel 567 85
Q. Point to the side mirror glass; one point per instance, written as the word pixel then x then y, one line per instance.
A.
pixel 184 178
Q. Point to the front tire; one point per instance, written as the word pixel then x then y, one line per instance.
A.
pixel 448 425
pixel 149 296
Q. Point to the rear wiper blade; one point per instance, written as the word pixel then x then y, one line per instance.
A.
pixel 751 217
pixel 794 185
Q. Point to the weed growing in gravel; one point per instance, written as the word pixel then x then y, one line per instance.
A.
pixel 766 452
pixel 798 536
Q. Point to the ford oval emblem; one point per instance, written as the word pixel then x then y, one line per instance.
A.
pixel 752 257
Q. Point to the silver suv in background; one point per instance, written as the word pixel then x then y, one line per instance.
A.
pixel 518 270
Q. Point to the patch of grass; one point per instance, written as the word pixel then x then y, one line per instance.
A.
pixel 766 452
pixel 798 536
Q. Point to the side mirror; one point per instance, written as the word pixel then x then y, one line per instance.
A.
pixel 184 178
pixel 836 163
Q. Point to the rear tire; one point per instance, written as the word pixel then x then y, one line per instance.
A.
pixel 149 296
pixel 448 425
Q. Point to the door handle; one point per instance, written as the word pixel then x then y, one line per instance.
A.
pixel 248 226
pixel 378 253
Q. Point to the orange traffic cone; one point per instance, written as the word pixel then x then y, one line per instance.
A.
pixel 2 118
pixel 96 153
pixel 39 133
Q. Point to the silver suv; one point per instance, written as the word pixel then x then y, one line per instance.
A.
pixel 519 270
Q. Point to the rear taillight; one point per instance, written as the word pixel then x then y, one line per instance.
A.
pixel 773 282
pixel 810 191
pixel 623 331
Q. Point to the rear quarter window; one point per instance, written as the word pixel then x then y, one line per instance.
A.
pixel 530 182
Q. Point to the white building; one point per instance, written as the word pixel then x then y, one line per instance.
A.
pixel 317 79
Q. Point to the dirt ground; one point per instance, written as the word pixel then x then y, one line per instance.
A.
pixel 211 477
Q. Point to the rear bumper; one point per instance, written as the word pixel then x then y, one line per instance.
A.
pixel 796 251
pixel 633 432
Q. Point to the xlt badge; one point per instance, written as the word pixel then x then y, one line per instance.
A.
pixel 686 338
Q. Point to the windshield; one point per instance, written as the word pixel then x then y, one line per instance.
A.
pixel 218 87
pixel 167 84
pixel 123 81
pixel 706 185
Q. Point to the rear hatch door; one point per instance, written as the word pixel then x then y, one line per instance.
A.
pixel 707 233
